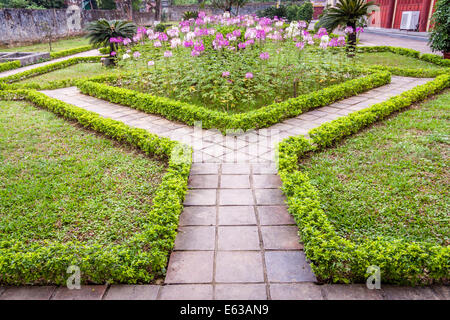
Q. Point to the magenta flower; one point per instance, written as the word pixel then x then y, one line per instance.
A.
pixel 225 74
pixel 249 75
pixel 300 45
pixel 113 53
pixel 264 56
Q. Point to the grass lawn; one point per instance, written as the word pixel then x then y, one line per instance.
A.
pixel 60 182
pixel 392 60
pixel 56 46
pixel 75 71
pixel 391 180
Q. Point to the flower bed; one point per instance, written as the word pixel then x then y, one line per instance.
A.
pixel 338 259
pixel 144 256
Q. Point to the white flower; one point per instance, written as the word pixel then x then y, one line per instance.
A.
pixel 155 23
pixel 125 56
pixel 190 35
pixel 325 38
pixel 226 14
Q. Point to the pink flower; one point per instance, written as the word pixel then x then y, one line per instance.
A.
pixel 151 63
pixel 225 74
pixel 300 45
pixel 264 56
pixel 113 53
pixel 136 54
pixel 157 44
pixel 167 54
pixel 249 75
pixel 348 29
pixel 195 53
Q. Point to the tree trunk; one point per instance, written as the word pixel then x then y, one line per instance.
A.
pixel 351 45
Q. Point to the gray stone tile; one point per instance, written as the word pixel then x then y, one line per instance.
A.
pixel 238 238
pixel 235 168
pixel 132 292
pixel 264 169
pixel 274 215
pixel 265 181
pixel 190 267
pixel 295 291
pixel 186 292
pixel 409 293
pixel 288 266
pixel 241 292
pixel 269 197
pixel 200 197
pixel 204 168
pixel 203 181
pixel 198 216
pixel 239 266
pixel 235 197
pixel 86 292
pixel 195 238
pixel 281 237
pixel 237 215
pixel 235 181
pixel 28 293
pixel 350 292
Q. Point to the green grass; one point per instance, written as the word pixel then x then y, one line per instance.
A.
pixel 76 71
pixel 392 60
pixel 391 180
pixel 60 182
pixel 44 47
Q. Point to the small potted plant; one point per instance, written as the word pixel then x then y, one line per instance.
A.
pixel 440 33
pixel 104 33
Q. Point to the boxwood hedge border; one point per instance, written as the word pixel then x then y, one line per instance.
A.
pixel 145 255
pixel 339 260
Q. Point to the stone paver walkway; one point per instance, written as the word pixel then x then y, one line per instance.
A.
pixel 236 239
pixel 89 53
pixel 373 38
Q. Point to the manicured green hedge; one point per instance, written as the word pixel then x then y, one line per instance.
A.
pixel 260 118
pixel 5 66
pixel 46 68
pixel 336 259
pixel 411 72
pixel 68 52
pixel 433 58
pixel 147 254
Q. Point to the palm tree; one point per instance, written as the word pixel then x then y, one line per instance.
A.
pixel 346 13
pixel 101 31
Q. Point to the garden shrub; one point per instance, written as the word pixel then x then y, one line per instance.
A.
pixel 5 66
pixel 336 259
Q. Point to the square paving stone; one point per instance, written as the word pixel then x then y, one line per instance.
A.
pixel 235 168
pixel 203 181
pixel 195 238
pixel 198 216
pixel 295 291
pixel 200 197
pixel 239 266
pixel 235 197
pixel 28 293
pixel 132 292
pixel 408 293
pixel 281 237
pixel 240 292
pixel 274 215
pixel 350 292
pixel 264 169
pixel 190 267
pixel 186 292
pixel 237 215
pixel 443 291
pixel 265 181
pixel 233 181
pixel 204 168
pixel 238 238
pixel 269 196
pixel 288 266
pixel 92 292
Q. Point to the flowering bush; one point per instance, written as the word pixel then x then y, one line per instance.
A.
pixel 234 64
